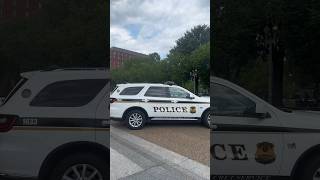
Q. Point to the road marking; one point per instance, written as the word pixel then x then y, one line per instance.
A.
pixel 121 166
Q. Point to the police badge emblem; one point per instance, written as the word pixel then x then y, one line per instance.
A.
pixel 193 109
pixel 265 153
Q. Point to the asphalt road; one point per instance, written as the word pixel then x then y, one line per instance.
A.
pixel 191 140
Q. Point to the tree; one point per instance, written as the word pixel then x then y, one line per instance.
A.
pixel 155 56
pixel 197 36
pixel 176 67
pixel 66 33
pixel 236 26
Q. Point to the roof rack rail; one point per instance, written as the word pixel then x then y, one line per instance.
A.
pixel 57 68
pixel 170 83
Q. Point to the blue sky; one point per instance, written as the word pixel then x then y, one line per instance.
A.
pixel 149 26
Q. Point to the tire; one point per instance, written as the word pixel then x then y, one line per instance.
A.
pixel 135 119
pixel 79 161
pixel 311 169
pixel 205 120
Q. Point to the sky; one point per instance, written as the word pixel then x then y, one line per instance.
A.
pixel 148 26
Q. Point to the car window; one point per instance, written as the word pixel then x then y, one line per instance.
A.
pixel 156 91
pixel 178 93
pixel 131 90
pixel 71 93
pixel 227 101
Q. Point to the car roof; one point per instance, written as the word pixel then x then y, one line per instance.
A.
pixel 214 79
pixel 146 84
pixel 86 73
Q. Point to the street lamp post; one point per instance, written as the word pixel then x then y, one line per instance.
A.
pixel 195 77
pixel 268 49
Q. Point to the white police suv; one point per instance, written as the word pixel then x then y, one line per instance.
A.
pixel 54 125
pixel 251 139
pixel 138 103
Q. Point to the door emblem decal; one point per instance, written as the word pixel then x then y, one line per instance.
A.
pixel 265 153
pixel 193 109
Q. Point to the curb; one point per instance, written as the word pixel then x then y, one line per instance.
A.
pixel 167 156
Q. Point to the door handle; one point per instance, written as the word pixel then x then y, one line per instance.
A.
pixel 214 126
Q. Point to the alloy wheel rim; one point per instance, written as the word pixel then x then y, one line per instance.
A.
pixel 208 119
pixel 135 120
pixel 82 172
pixel 316 175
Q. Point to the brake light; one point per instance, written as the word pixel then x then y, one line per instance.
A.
pixel 7 122
pixel 112 100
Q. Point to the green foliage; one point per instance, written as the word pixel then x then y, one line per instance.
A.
pixel 197 36
pixel 139 71
pixel 155 56
pixel 236 25
pixel 64 33
pixel 181 60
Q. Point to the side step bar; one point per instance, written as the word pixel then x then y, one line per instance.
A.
pixel 173 119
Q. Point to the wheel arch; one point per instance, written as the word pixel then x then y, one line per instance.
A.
pixel 303 158
pixel 64 150
pixel 204 112
pixel 132 108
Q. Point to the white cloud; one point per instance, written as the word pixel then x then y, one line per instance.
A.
pixel 161 22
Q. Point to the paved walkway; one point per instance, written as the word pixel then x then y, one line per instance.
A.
pixel 133 158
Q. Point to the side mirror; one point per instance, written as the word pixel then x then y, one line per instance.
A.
pixel 190 97
pixel 1 100
pixel 262 115
pixel 261 112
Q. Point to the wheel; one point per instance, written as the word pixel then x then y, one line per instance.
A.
pixel 81 167
pixel 206 119
pixel 135 119
pixel 311 170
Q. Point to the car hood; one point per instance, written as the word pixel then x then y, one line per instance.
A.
pixel 307 120
pixel 204 99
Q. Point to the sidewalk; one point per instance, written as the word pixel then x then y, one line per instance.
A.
pixel 133 158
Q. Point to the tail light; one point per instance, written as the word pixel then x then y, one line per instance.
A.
pixel 112 100
pixel 7 122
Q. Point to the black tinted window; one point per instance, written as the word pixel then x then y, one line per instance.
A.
pixel 131 91
pixel 226 101
pixel 154 91
pixel 72 93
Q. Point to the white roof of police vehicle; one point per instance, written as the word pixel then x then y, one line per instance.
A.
pixel 69 72
pixel 146 84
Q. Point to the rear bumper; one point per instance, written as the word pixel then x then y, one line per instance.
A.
pixel 116 111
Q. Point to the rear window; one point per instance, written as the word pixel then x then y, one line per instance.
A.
pixel 155 91
pixel 131 90
pixel 71 93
